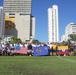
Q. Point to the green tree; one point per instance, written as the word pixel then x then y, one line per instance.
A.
pixel 69 42
pixel 35 41
pixel 72 37
pixel 14 40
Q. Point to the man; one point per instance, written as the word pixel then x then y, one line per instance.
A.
pixel 30 49
pixel 71 50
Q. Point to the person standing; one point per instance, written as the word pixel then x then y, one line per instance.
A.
pixel 30 49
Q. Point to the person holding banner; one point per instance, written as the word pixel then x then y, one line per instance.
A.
pixel 50 49
pixel 56 50
pixel 30 49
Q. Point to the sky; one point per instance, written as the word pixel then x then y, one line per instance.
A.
pixel 66 14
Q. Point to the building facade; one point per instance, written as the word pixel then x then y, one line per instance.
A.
pixel 53 28
pixel 19 14
pixel 70 29
pixel 1 22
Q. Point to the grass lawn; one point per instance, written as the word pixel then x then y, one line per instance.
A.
pixel 37 65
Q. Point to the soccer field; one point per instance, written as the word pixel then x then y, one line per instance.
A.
pixel 37 65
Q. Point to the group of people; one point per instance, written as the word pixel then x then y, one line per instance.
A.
pixel 70 51
pixel 8 48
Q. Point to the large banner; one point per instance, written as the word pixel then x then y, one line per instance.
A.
pixel 63 50
pixel 20 50
pixel 41 50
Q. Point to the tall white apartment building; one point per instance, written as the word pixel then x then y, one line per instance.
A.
pixel 1 22
pixel 70 29
pixel 53 28
pixel 19 13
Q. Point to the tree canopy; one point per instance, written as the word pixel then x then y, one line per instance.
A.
pixel 14 40
pixel 35 41
pixel 72 37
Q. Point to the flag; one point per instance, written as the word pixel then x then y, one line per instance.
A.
pixel 20 50
pixel 41 50
pixel 63 50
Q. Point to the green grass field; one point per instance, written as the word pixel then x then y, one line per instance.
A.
pixel 41 65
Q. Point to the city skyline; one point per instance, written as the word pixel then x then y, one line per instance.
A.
pixel 67 14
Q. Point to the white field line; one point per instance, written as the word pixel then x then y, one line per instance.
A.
pixel 66 59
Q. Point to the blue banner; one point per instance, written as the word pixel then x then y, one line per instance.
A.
pixel 41 50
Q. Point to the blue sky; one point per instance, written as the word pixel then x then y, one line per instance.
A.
pixel 67 14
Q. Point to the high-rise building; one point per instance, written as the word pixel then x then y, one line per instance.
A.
pixel 18 19
pixel 70 29
pixel 18 6
pixel 53 28
pixel 1 22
